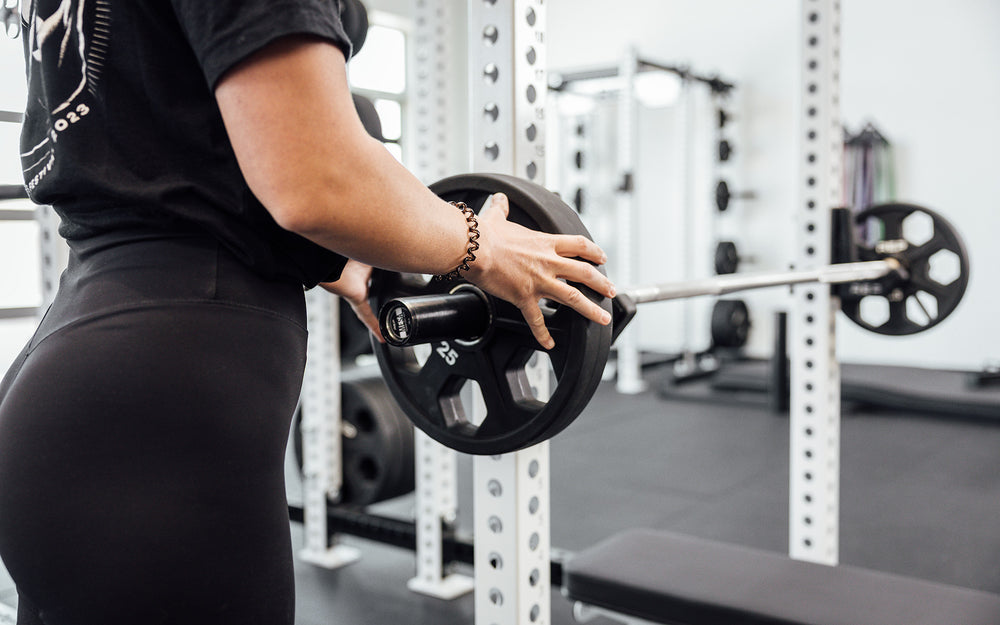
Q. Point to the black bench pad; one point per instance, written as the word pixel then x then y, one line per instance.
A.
pixel 669 578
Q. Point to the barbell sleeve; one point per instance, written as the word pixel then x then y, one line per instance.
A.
pixel 465 314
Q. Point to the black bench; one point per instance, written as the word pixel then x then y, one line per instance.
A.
pixel 668 578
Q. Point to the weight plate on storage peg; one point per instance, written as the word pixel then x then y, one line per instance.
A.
pixel 725 150
pixel 377 444
pixel 727 259
pixel 722 196
pixel 437 384
pixel 730 323
pixel 935 270
pixel 377 454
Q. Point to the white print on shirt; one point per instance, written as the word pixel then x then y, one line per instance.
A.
pixel 73 43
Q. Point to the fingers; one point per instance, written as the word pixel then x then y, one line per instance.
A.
pixel 366 315
pixel 500 202
pixel 585 273
pixel 580 246
pixel 536 321
pixel 575 299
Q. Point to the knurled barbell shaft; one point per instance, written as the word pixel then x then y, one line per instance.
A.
pixel 422 319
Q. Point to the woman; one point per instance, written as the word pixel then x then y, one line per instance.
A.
pixel 207 162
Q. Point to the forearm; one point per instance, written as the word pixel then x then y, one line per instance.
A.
pixel 375 211
pixel 307 158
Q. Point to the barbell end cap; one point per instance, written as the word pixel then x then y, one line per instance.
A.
pixel 395 323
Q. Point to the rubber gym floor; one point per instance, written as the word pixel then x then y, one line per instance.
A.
pixel 920 496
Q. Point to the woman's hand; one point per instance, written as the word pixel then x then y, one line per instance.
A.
pixel 353 287
pixel 523 266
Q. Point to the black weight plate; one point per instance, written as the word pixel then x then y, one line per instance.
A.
pixel 378 455
pixel 727 259
pixel 722 196
pixel 730 323
pixel 725 150
pixel 430 392
pixel 883 234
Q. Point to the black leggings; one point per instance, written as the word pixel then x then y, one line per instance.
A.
pixel 142 437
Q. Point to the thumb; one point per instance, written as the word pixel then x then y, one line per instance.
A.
pixel 499 202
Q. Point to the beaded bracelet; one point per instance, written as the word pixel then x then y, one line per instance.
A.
pixel 470 220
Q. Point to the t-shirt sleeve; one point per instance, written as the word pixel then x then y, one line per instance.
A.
pixel 224 32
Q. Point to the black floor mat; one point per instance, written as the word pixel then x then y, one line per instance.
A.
pixel 910 389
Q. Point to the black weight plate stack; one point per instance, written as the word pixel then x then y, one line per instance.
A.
pixel 430 392
pixel 919 289
pixel 377 445
pixel 730 323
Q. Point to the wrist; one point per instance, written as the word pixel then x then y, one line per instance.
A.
pixel 471 246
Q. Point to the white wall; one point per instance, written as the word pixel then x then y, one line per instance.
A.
pixel 933 86
pixel 927 73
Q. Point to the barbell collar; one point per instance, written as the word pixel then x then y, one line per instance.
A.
pixel 722 285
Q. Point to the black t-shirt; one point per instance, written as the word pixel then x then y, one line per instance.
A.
pixel 122 132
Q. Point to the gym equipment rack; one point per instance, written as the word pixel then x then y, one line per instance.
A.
pixel 511 491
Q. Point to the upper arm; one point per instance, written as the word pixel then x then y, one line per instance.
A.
pixel 292 123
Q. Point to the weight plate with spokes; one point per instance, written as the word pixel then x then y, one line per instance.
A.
pixel 438 385
pixel 935 264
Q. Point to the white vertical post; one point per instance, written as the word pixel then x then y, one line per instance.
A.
pixel 436 506
pixel 815 385
pixel 512 551
pixel 683 176
pixel 430 67
pixel 436 475
pixel 320 415
pixel 629 366
pixel 508 91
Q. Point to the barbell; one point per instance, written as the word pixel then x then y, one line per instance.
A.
pixel 447 340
